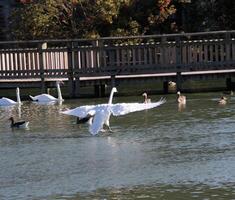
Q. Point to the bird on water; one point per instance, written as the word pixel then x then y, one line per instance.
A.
pixel 101 113
pixel 181 98
pixel 20 124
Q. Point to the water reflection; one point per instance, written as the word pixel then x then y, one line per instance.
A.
pixel 168 192
pixel 158 154
pixel 181 107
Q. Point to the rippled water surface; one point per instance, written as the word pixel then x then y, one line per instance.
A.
pixel 164 153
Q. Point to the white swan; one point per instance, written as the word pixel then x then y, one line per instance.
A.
pixel 8 102
pixel 102 112
pixel 48 97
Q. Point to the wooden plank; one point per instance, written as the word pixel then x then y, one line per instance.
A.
pixel 216 53
pixel 205 53
pixel 211 53
pixel 134 56
pixel 233 51
pixel 221 52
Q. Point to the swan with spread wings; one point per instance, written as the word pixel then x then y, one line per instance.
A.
pixel 101 113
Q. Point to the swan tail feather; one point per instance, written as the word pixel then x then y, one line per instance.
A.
pixel 33 98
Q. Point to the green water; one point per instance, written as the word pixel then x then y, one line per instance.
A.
pixel 164 153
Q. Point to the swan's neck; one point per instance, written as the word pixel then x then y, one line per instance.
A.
pixel 18 96
pixel 111 97
pixel 59 92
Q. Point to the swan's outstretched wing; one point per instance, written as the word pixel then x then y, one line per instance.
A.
pixel 125 108
pixel 81 111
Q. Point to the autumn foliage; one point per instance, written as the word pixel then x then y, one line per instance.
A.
pixel 41 19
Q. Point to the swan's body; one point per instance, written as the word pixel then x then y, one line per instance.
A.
pixel 146 99
pixel 8 102
pixel 20 124
pixel 223 100
pixel 181 98
pixel 102 112
pixel 48 97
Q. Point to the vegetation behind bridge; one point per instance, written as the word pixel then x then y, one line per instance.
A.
pixel 60 19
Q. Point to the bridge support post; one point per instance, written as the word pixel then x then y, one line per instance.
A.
pixel 97 90
pixel 70 71
pixel 42 46
pixel 102 90
pixel 165 87
pixel 77 86
pixel 229 84
pixel 113 82
pixel 178 81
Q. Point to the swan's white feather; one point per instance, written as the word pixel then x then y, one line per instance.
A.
pixel 125 108
pixel 7 102
pixel 102 112
pixel 48 97
pixel 99 120
pixel 43 98
pixel 81 111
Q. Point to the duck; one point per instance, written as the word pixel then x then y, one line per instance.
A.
pixel 223 100
pixel 172 84
pixel 146 99
pixel 181 98
pixel 20 124
pixel 48 97
pixel 8 102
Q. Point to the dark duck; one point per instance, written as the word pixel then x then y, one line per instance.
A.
pixel 20 124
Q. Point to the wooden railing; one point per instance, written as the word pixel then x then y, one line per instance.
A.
pixel 117 56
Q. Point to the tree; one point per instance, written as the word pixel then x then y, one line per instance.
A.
pixel 225 14
pixel 138 17
pixel 47 19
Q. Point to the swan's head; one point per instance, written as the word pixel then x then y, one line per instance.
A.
pixel 114 89
pixel 223 98
pixel 59 82
pixel 178 92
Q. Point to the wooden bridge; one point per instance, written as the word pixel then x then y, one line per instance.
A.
pixel 108 61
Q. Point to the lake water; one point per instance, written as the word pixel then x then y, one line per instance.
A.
pixel 163 153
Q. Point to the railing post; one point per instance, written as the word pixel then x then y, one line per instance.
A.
pixel 178 64
pixel 41 47
pixel 165 87
pixel 70 70
pixel 113 82
pixel 227 45
pixel 163 53
pixel 76 69
pixel 100 56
